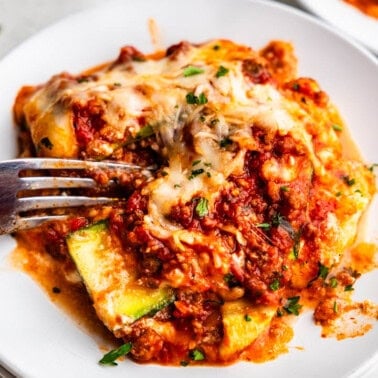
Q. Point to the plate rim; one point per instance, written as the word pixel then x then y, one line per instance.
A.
pixel 302 14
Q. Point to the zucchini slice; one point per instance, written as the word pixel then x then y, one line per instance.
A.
pixel 109 276
pixel 242 324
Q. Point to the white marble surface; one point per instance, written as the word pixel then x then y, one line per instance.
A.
pixel 20 19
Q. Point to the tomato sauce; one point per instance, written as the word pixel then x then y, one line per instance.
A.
pixel 369 7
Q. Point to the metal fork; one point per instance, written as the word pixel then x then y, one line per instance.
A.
pixel 11 184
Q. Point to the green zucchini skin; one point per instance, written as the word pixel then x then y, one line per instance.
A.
pixel 110 280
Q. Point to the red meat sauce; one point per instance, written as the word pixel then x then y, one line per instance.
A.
pixel 271 224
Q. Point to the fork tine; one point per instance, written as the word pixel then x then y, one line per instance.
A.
pixel 54 163
pixel 23 223
pixel 36 182
pixel 34 203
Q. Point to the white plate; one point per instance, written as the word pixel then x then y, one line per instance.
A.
pixel 36 338
pixel 348 19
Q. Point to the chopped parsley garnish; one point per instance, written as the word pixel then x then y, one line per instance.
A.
pixel 225 142
pixel 265 226
pixel 337 127
pixel 117 84
pixel 247 317
pixel 196 162
pixel 82 80
pixel 293 306
pixel 335 307
pixel 202 99
pixel 275 285
pixel 333 282
pixel 222 71
pixel 284 188
pixel 46 142
pixel 277 220
pixel 109 358
pixel 177 186
pixel 197 355
pixel 193 70
pixel 164 173
pixel 295 86
pixel 323 271
pixel 349 181
pixel 349 288
pixel 371 168
pixel 230 280
pixel 297 243
pixel 202 207
pixel 145 132
pixel 192 99
pixel 196 172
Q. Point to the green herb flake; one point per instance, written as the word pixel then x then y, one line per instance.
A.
pixel 225 142
pixel 295 86
pixel 323 271
pixel 230 280
pixel 280 313
pixel 193 70
pixel 247 317
pixel 196 162
pixel 109 358
pixel 196 355
pixel 202 207
pixel 349 181
pixel 202 99
pixel 285 267
pixel 222 71
pixel 265 226
pixel 46 142
pixel 333 282
pixel 177 186
pixel 284 188
pixel 293 306
pixel 337 127
pixel 349 288
pixel 275 285
pixel 335 307
pixel 371 168
pixel 164 173
pixel 196 172
pixel 82 80
pixel 192 99
pixel 277 220
pixel 117 84
pixel 145 132
pixel 338 194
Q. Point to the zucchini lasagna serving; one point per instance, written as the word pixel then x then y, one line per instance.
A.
pixel 247 217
